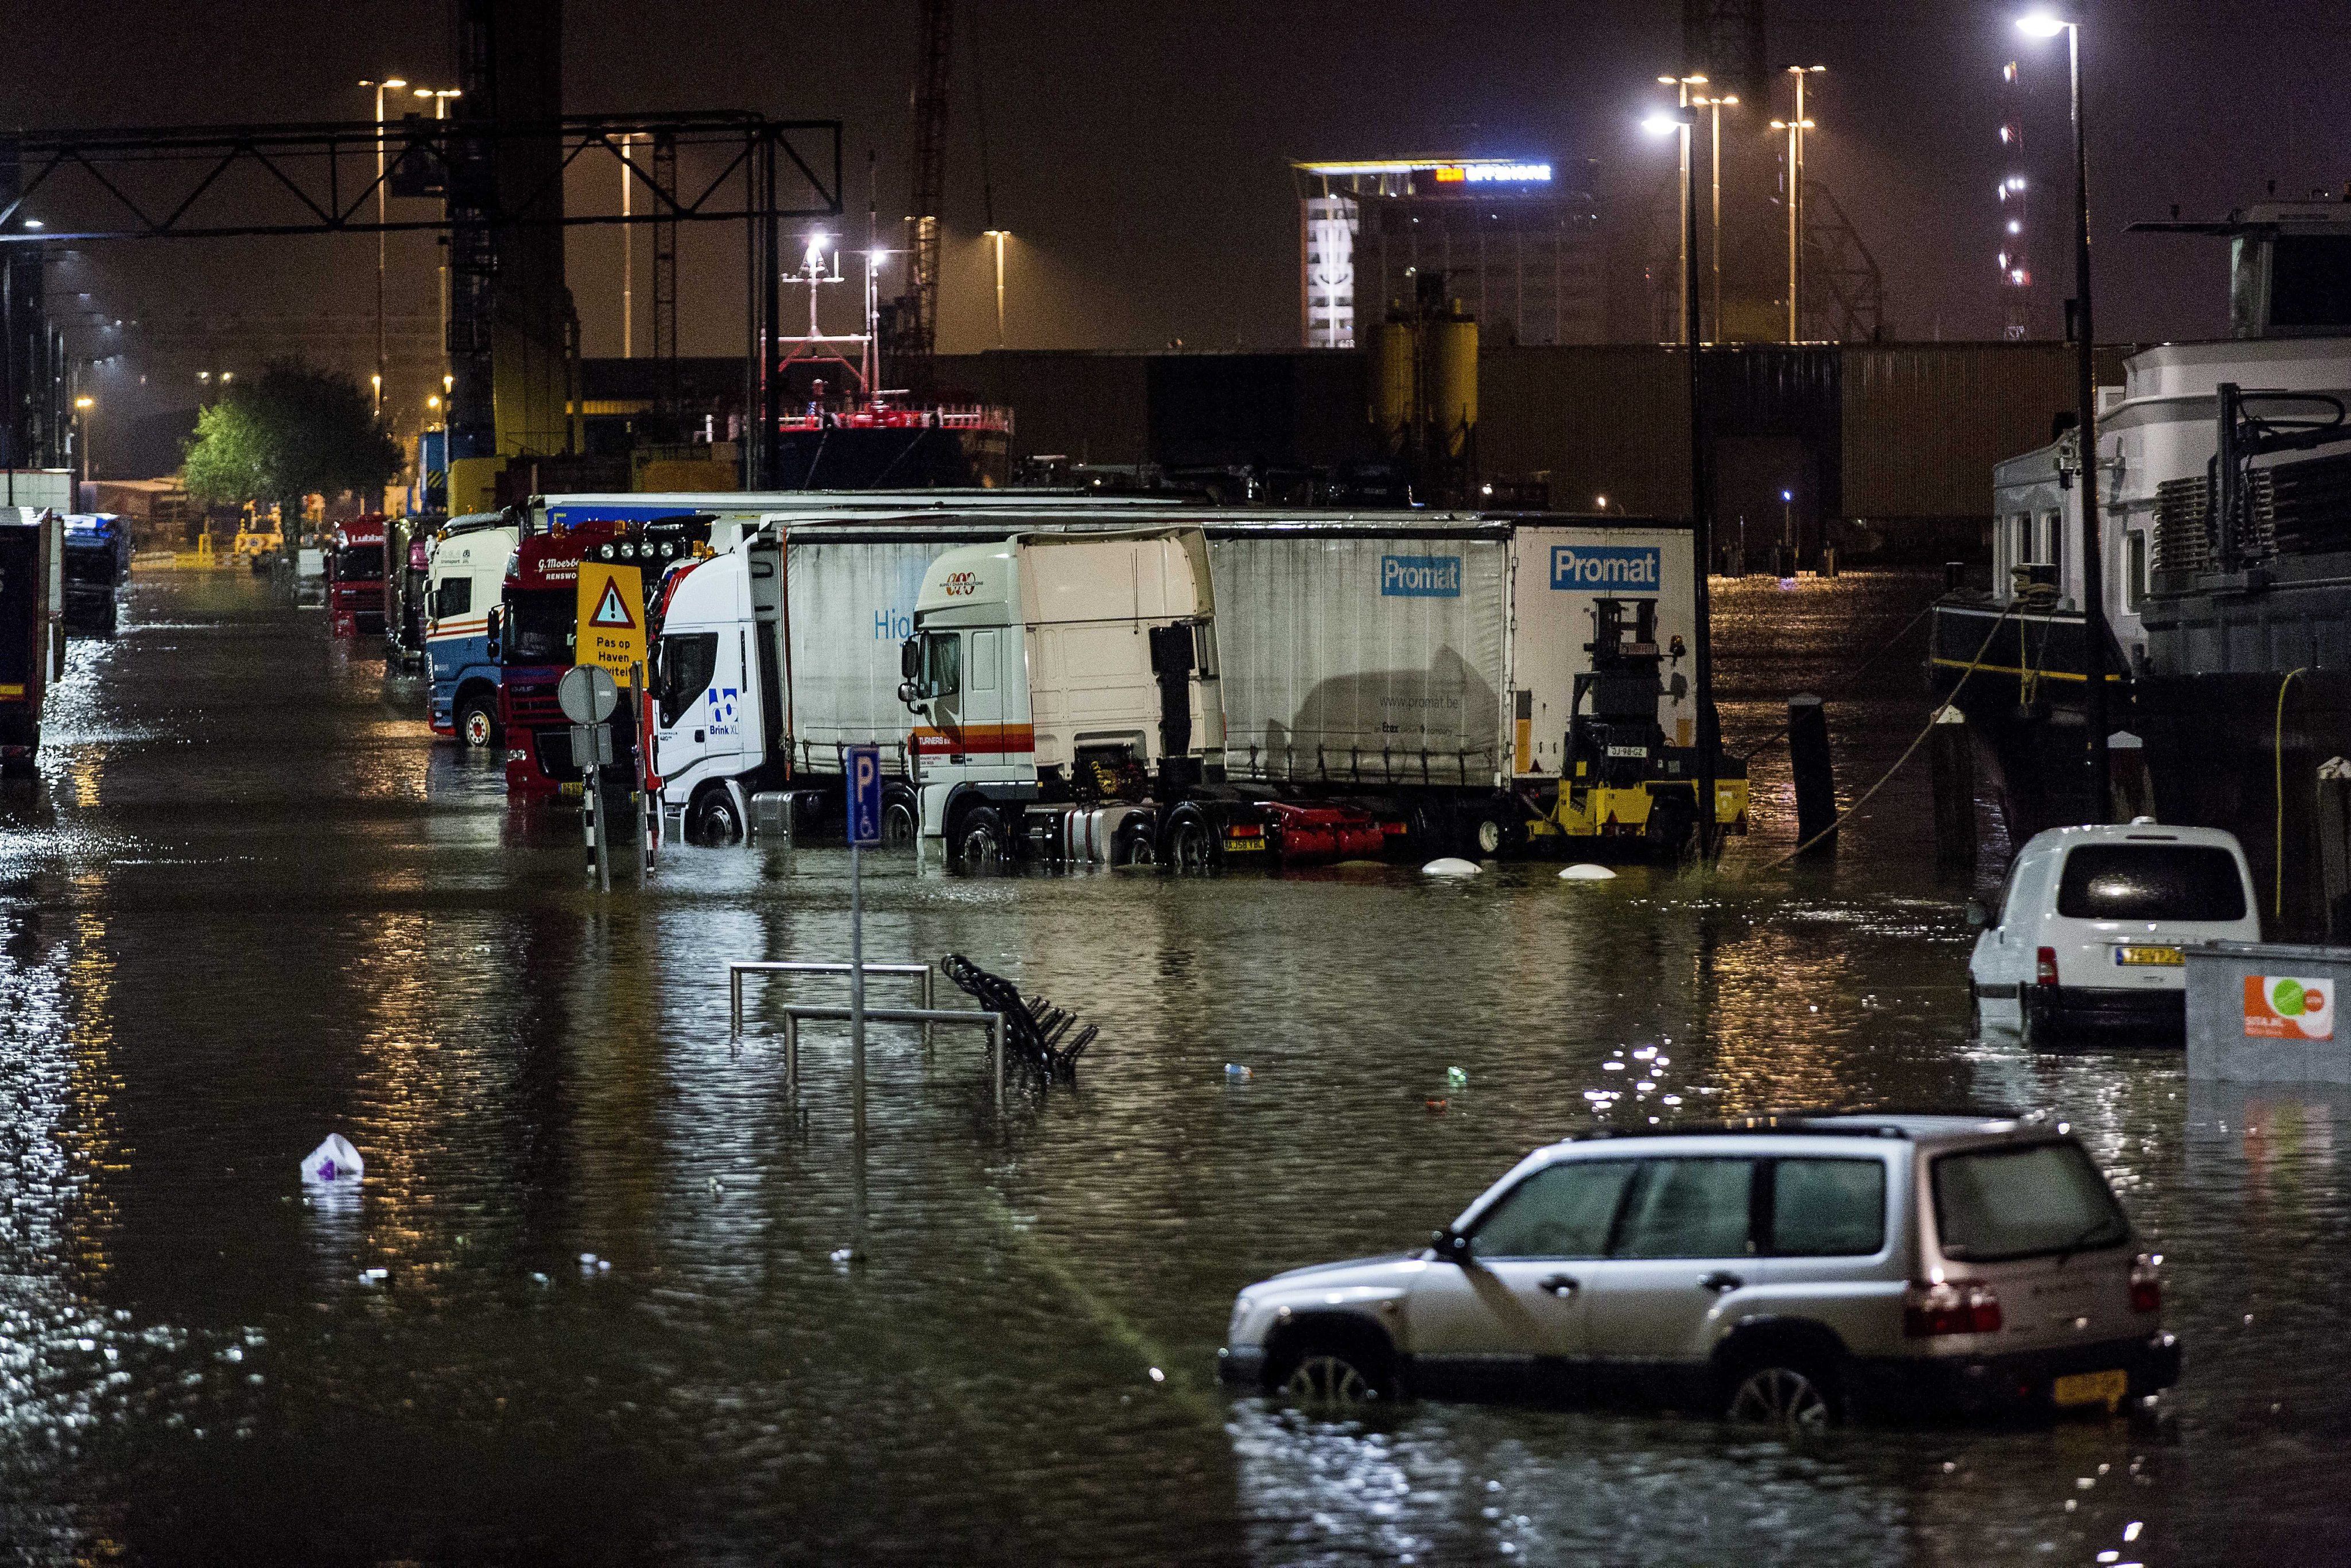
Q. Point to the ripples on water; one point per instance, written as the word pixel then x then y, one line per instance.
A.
pixel 252 904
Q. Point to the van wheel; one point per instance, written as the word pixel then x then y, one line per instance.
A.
pixel 477 722
pixel 979 844
pixel 715 822
pixel 1794 1395
pixel 897 825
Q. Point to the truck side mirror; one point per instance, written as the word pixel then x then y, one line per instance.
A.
pixel 910 694
pixel 1678 687
pixel 1450 1246
pixel 491 630
pixel 1978 915
pixel 910 660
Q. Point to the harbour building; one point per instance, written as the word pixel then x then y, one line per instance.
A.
pixel 1517 242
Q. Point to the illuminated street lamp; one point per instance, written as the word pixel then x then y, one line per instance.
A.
pixel 389 84
pixel 1714 104
pixel 1795 126
pixel 2044 25
pixel 999 237
pixel 85 405
pixel 1709 734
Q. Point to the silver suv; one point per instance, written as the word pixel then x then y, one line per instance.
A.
pixel 1787 1270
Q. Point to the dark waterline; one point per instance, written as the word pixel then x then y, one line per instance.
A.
pixel 253 903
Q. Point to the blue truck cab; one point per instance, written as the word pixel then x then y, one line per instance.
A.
pixel 467 573
pixel 97 563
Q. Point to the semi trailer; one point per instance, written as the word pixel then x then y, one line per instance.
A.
pixel 1337 688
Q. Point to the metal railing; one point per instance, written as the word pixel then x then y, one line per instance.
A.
pixel 737 969
pixel 926 1017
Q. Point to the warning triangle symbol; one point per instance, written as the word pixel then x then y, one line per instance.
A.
pixel 611 609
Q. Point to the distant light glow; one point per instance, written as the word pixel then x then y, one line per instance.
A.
pixel 1661 124
pixel 2041 24
pixel 2015 226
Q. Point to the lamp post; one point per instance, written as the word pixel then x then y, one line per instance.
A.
pixel 441 97
pixel 1701 488
pixel 627 251
pixel 999 237
pixel 1683 99
pixel 1795 126
pixel 389 84
pixel 85 406
pixel 1714 104
pixel 2044 25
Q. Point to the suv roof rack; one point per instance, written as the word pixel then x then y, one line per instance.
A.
pixel 1811 1123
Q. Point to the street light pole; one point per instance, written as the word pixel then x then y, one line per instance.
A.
pixel 388 84
pixel 1795 127
pixel 1702 489
pixel 628 252
pixel 2041 24
pixel 999 237
pixel 1714 223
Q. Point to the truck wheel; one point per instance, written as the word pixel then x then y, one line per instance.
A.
pixel 477 722
pixel 1494 829
pixel 1429 829
pixel 715 822
pixel 979 844
pixel 1190 842
pixel 898 825
pixel 1132 844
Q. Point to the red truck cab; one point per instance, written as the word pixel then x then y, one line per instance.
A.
pixel 355 577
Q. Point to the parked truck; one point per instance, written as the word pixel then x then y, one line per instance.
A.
pixel 355 577
pixel 535 634
pixel 407 573
pixel 32 629
pixel 465 575
pixel 1321 688
pixel 96 565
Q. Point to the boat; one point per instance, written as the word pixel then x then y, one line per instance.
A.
pixel 2225 547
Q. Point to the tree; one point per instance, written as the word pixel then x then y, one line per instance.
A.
pixel 292 430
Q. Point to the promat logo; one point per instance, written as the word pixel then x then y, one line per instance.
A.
pixel 1420 576
pixel 1592 568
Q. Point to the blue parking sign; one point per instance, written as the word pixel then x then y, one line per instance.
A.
pixel 864 795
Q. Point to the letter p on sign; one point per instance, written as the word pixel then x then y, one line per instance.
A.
pixel 865 795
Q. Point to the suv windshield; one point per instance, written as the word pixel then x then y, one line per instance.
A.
pixel 2000 1203
pixel 2151 882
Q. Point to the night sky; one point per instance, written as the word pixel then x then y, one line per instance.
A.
pixel 1139 153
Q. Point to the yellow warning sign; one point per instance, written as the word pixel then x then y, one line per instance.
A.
pixel 612 618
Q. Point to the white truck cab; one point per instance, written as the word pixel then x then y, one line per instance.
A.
pixel 1113 634
pixel 2089 928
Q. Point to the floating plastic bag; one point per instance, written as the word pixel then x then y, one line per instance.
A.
pixel 333 1161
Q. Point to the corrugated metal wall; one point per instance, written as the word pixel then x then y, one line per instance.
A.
pixel 1890 431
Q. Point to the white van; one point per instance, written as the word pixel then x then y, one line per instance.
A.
pixel 2089 928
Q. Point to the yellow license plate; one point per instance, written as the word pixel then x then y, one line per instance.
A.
pixel 2106 1389
pixel 1244 844
pixel 2164 955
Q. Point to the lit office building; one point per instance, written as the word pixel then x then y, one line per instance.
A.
pixel 1518 247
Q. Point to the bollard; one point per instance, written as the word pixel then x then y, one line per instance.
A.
pixel 2133 788
pixel 1951 752
pixel 1808 755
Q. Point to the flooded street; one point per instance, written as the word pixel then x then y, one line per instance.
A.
pixel 254 903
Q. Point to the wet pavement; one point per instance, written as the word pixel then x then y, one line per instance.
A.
pixel 254 903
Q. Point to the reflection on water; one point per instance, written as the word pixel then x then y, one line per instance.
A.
pixel 253 903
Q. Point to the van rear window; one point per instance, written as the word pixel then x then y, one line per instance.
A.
pixel 2151 882
pixel 2028 1201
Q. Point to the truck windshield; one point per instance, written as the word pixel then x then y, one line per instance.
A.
pixel 360 563
pixel 2005 1202
pixel 2151 882
pixel 540 626
pixel 89 562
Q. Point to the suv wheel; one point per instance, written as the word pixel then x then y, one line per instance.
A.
pixel 1791 1395
pixel 1332 1372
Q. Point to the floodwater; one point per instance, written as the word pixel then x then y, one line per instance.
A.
pixel 253 903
